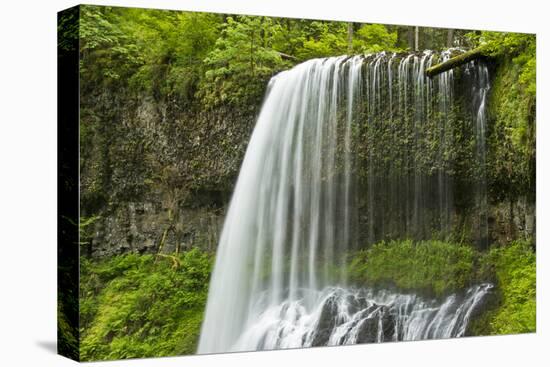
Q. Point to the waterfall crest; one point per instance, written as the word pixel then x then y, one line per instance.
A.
pixel 279 279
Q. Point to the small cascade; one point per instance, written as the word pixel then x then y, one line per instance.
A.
pixel 347 151
pixel 343 316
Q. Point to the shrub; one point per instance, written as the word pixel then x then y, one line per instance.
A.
pixel 432 266
pixel 142 305
pixel 515 268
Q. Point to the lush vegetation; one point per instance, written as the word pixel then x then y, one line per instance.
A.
pixel 432 266
pixel 142 305
pixel 438 268
pixel 67 333
pixel 514 268
pixel 512 111
pixel 149 305
pixel 219 58
pixel 519 47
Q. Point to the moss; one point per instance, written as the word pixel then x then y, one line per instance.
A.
pixel 67 342
pixel 515 310
pixel 439 268
pixel 511 139
pixel 433 267
pixel 135 306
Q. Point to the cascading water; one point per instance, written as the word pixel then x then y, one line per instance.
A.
pixel 480 87
pixel 343 316
pixel 279 278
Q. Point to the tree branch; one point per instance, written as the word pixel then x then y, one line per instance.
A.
pixel 453 62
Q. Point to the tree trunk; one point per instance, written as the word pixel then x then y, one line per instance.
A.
pixel 450 37
pixel 350 37
pixel 410 37
pixel 252 52
pixel 288 35
pixel 287 56
pixel 453 62
pixel 416 30
pixel 263 31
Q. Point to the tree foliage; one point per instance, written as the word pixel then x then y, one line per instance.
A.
pixel 520 47
pixel 242 61
pixel 375 38
pixel 210 58
pixel 107 51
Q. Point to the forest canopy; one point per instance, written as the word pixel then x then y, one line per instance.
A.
pixel 225 58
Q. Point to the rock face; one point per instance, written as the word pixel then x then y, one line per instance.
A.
pixel 156 177
pixel 512 220
pixel 148 228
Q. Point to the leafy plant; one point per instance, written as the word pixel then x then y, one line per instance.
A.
pixel 432 266
pixel 375 38
pixel 142 305
pixel 242 62
pixel 521 47
pixel 515 269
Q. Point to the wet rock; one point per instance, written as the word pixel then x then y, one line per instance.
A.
pixel 326 324
pixel 369 331
pixel 151 169
pixel 370 328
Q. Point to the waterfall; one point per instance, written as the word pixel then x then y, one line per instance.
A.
pixel 279 279
pixel 479 76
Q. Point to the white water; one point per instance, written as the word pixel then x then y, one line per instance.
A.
pixel 480 87
pixel 278 274
pixel 343 316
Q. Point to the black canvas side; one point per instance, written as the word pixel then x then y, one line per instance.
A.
pixel 68 183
